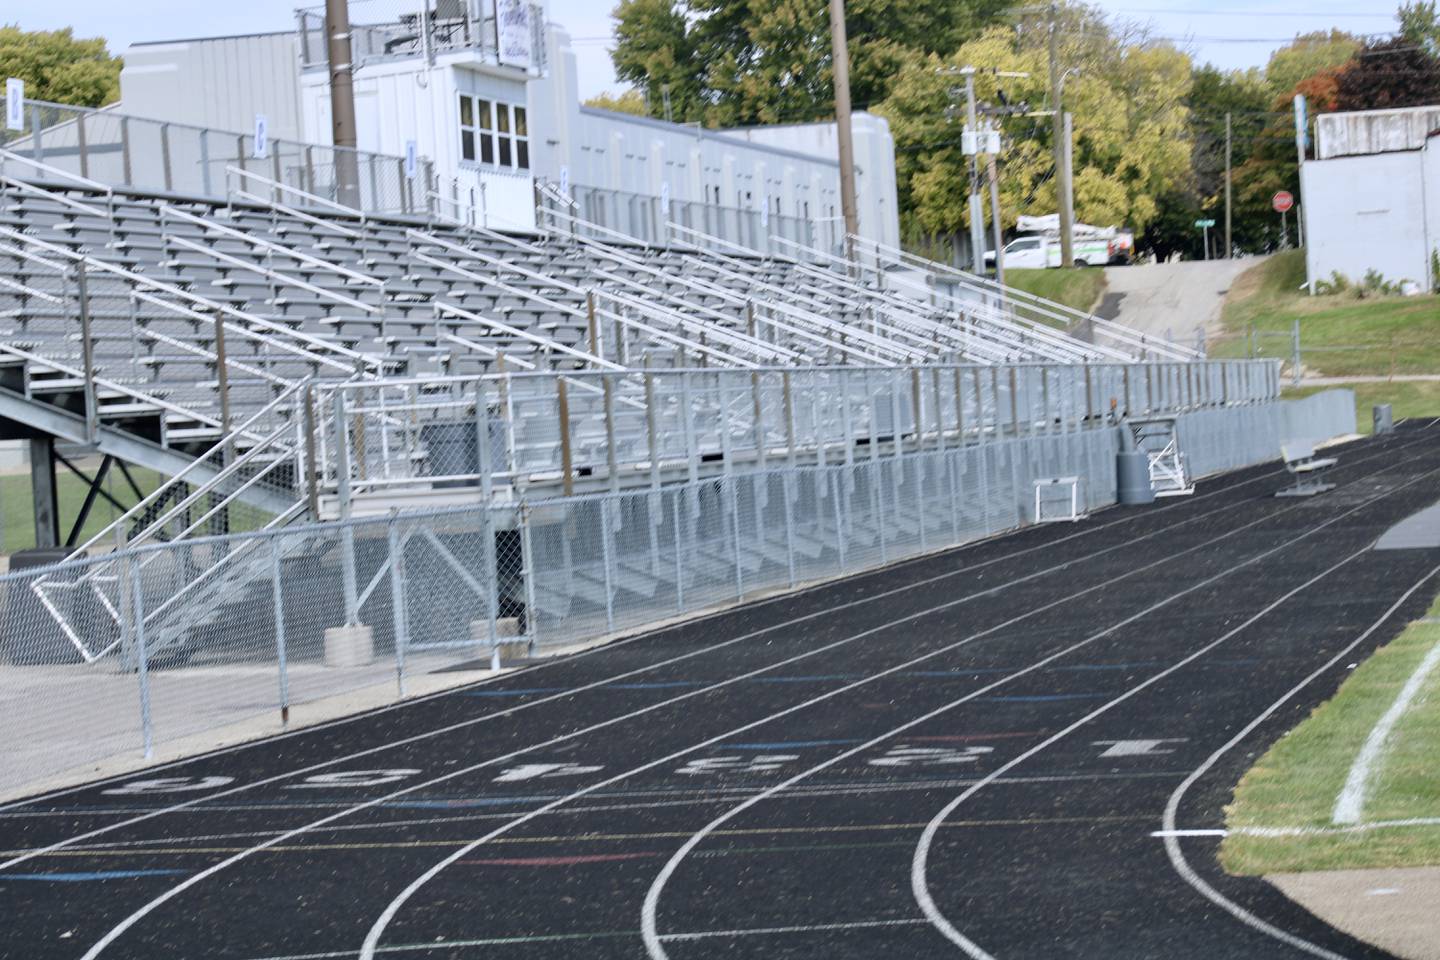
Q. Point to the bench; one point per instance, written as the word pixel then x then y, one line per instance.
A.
pixel 1306 468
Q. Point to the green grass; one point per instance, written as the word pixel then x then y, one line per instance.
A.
pixel 1078 288
pixel 1419 399
pixel 1296 782
pixel 18 514
pixel 1340 335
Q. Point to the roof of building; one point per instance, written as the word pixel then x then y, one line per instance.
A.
pixel 695 130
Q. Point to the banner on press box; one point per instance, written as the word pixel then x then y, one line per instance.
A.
pixel 15 103
pixel 512 27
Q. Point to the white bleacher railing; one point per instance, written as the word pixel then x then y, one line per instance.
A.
pixel 412 437
pixel 1043 311
pixel 111 149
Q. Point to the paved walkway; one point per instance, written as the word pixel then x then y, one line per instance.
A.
pixel 1171 299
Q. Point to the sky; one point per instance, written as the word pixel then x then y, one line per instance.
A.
pixel 1227 33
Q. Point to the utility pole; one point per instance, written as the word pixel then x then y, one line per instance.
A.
pixel 342 100
pixel 977 205
pixel 995 220
pixel 1229 245
pixel 1058 126
pixel 843 135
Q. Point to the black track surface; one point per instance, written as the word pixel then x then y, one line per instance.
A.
pixel 1003 644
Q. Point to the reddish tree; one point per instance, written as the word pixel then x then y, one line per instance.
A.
pixel 1387 74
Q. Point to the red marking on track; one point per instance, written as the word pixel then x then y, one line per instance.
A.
pixel 557 861
pixel 964 737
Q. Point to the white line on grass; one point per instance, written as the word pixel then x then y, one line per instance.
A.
pixel 1350 804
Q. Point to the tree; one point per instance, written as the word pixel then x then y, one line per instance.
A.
pixel 1420 24
pixel 1307 55
pixel 731 62
pixel 1388 73
pixel 1130 122
pixel 1244 95
pixel 59 68
pixel 630 101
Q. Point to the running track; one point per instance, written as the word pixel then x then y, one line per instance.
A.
pixel 966 754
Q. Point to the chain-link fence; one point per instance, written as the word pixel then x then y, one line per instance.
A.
pixel 174 158
pixel 113 655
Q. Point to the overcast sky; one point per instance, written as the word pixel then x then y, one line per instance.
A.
pixel 1228 33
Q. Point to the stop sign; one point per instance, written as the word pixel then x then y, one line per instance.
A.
pixel 1282 201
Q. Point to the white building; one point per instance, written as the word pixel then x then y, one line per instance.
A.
pixel 1372 198
pixel 486 89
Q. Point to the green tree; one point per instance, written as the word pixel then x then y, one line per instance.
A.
pixel 59 68
pixel 1307 55
pixel 732 62
pixel 1420 24
pixel 630 101
pixel 1244 95
pixel 1130 123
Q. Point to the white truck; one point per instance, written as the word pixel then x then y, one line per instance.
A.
pixel 1039 245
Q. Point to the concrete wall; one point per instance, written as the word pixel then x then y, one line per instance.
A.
pixel 1371 213
pixel 220 83
pixel 1374 131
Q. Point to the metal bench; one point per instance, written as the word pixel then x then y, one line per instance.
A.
pixel 1306 468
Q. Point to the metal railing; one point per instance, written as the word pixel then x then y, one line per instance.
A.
pixel 382 444
pixel 422 591
pixel 504 32
pixel 111 149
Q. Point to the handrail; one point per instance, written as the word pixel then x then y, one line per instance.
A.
pixel 1056 338
pixel 84 208
pixel 10 155
pixel 284 331
pixel 285 187
pixel 321 222
pixel 168 210
pixel 283 278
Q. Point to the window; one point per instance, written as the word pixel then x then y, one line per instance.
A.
pixel 494 133
pixel 1027 244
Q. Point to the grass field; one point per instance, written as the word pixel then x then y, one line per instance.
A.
pixel 16 511
pixel 1073 286
pixel 1340 335
pixel 1295 784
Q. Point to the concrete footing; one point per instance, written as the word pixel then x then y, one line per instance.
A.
pixel 352 646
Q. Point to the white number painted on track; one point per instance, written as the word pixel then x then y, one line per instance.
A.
pixel 760 764
pixel 543 771
pixel 168 785
pixel 903 756
pixel 1135 748
pixel 351 778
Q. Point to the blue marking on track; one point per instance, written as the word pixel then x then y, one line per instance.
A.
pixel 512 693
pixel 788 744
pixel 657 685
pixel 86 877
pixel 1081 667
pixel 1046 697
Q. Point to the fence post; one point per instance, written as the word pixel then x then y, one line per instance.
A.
pixel 607 556
pixel 1295 353
pixel 137 614
pixel 165 163
pixel 562 402
pixel 839 520
pixel 532 620
pixel 280 647
pixel 84 151
pixel 789 527
pixel 397 600
pixel 483 458
pixel 125 169
pixel 205 163
pixel 679 568
pixel 347 531
pixel 87 353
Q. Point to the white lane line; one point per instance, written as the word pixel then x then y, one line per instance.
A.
pixel 919 882
pixel 541 701
pixel 372 939
pixel 1188 833
pixel 799 928
pixel 648 922
pixel 1172 844
pixel 1350 803
pixel 954 552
